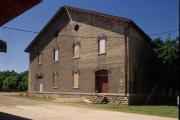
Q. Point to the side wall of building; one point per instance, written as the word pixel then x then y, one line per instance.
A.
pixel 139 53
pixel 139 61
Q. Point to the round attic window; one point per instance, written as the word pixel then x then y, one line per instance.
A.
pixel 76 27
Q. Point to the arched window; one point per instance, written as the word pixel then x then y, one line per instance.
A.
pixel 101 45
pixel 76 50
pixel 55 79
pixel 76 76
pixel 40 58
pixel 56 54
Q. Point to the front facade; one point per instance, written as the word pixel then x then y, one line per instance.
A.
pixel 81 52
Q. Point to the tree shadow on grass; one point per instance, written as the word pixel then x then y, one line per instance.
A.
pixel 6 116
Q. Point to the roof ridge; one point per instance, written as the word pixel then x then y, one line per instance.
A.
pixel 98 13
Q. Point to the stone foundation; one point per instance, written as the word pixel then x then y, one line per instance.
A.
pixel 112 98
pixel 129 99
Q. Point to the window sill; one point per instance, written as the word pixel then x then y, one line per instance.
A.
pixel 76 57
pixel 55 61
pixel 75 87
pixel 55 87
pixel 101 53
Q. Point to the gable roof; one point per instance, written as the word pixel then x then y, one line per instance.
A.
pixel 62 9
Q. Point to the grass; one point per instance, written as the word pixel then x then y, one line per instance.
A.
pixel 157 110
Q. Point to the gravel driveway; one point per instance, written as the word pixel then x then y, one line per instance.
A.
pixel 12 108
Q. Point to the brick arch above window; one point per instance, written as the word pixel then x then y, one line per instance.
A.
pixel 39 76
pixel 102 68
pixel 102 36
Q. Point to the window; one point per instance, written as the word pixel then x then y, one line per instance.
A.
pixel 77 50
pixel 101 46
pixel 40 58
pixel 56 55
pixel 55 79
pixel 76 79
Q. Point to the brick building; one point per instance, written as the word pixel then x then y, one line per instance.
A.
pixel 81 52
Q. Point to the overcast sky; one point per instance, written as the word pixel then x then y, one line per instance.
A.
pixel 152 16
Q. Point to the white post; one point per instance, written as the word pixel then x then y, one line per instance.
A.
pixel 178 100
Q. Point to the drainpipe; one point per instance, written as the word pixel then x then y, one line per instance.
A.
pixel 126 60
pixel 69 15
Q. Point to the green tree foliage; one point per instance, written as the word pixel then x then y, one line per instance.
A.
pixel 166 62
pixel 167 51
pixel 23 83
pixel 11 80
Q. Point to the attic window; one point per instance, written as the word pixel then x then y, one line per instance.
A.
pixel 102 44
pixel 56 54
pixel 76 27
pixel 40 58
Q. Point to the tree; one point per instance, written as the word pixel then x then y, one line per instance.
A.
pixel 11 80
pixel 23 81
pixel 166 62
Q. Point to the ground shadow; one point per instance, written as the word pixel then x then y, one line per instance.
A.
pixel 6 116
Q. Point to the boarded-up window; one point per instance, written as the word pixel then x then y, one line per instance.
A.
pixel 40 58
pixel 76 51
pixel 76 80
pixel 56 54
pixel 101 46
pixel 55 79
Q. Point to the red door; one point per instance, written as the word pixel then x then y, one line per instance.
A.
pixel 101 84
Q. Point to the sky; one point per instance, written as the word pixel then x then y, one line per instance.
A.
pixel 152 16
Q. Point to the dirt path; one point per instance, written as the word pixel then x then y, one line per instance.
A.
pixel 26 109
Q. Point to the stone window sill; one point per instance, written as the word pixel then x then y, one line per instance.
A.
pixel 55 61
pixel 55 87
pixel 75 87
pixel 76 57
pixel 101 54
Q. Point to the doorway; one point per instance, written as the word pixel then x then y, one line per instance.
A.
pixel 39 84
pixel 101 81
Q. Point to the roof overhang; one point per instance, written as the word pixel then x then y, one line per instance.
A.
pixel 3 46
pixel 10 9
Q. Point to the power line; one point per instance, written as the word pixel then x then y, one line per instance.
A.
pixel 31 31
pixel 12 28
pixel 154 34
